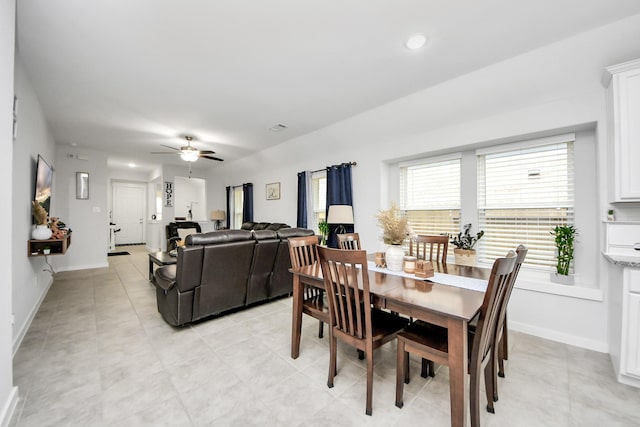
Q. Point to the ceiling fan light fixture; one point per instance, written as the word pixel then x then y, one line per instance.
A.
pixel 189 154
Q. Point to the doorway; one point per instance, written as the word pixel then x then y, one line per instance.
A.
pixel 128 212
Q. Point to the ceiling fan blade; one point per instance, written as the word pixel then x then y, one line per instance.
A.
pixel 211 158
pixel 162 152
pixel 166 146
pixel 207 152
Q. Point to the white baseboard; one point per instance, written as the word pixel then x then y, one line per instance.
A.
pixel 600 346
pixel 82 267
pixel 9 408
pixel 17 340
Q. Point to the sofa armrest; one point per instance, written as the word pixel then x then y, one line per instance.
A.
pixel 165 277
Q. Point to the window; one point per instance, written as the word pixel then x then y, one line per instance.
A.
pixel 238 205
pixel 524 190
pixel 430 194
pixel 318 198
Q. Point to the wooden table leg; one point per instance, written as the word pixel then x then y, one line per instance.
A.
pixel 150 270
pixel 296 323
pixel 458 361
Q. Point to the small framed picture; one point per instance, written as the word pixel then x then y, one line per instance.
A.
pixel 82 185
pixel 273 191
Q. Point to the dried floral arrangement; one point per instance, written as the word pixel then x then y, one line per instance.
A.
pixel 39 213
pixel 394 225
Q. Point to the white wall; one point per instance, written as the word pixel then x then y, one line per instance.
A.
pixel 30 282
pixel 8 393
pixel 553 88
pixel 88 219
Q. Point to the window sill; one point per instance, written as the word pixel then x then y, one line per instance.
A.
pixel 537 281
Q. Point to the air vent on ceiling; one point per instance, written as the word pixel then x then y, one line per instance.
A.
pixel 278 128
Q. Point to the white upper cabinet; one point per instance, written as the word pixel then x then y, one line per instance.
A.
pixel 623 83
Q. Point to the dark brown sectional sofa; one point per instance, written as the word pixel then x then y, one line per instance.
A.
pixel 225 270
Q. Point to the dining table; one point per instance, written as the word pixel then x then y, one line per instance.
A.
pixel 448 305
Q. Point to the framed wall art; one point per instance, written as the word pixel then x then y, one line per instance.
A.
pixel 82 185
pixel 273 191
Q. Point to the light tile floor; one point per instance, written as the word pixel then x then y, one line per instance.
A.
pixel 99 354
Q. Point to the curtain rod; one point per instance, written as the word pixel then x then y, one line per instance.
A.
pixel 241 185
pixel 349 163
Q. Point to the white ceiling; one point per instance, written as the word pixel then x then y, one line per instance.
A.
pixel 125 76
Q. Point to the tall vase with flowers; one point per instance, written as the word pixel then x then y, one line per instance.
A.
pixel 395 229
pixel 41 231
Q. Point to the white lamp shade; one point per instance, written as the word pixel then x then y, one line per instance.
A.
pixel 217 215
pixel 340 214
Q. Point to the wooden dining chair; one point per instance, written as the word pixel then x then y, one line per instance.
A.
pixel 355 322
pixel 437 245
pixel 302 251
pixel 500 352
pixel 431 341
pixel 349 241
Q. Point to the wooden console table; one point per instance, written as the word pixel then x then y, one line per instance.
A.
pixel 57 246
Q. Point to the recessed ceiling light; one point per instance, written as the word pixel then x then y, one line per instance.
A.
pixel 132 165
pixel 416 41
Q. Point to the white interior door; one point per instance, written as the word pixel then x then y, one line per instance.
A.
pixel 128 212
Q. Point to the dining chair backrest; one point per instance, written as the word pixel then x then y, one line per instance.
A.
pixel 500 330
pixel 490 309
pixel 521 253
pixel 350 241
pixel 438 246
pixel 350 308
pixel 302 250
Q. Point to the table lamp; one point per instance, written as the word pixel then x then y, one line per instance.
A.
pixel 340 215
pixel 217 216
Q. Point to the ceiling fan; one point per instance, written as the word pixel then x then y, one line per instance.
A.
pixel 189 153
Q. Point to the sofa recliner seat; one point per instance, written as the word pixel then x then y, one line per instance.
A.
pixel 225 270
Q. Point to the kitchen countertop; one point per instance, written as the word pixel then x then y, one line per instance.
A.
pixel 624 261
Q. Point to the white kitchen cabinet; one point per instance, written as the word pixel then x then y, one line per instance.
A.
pixel 631 345
pixel 623 83
pixel 624 299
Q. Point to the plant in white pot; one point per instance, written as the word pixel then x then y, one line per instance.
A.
pixel 565 237
pixel 395 229
pixel 464 243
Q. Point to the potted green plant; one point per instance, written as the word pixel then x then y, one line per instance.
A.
pixel 323 227
pixel 611 215
pixel 464 243
pixel 565 237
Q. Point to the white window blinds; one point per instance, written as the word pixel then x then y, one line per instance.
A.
pixel 430 194
pixel 524 191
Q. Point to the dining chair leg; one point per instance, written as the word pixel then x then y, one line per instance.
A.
pixel 474 394
pixel 489 377
pixel 360 355
pixel 427 368
pixel 320 329
pixel 402 372
pixel 369 409
pixel 494 361
pixel 332 360
pixel 502 354
pixel 406 367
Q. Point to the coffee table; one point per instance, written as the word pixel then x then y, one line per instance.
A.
pixel 159 259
